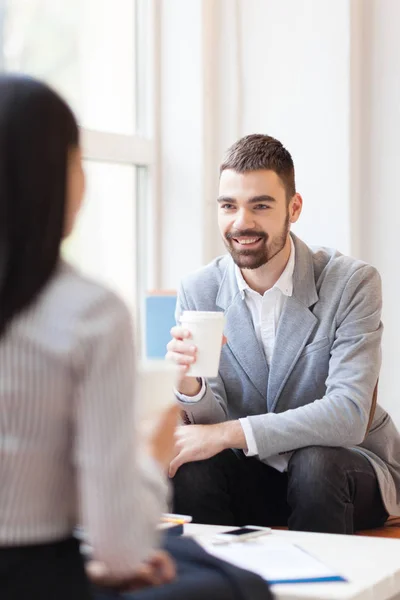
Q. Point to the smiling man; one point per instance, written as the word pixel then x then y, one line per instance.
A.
pixel 289 433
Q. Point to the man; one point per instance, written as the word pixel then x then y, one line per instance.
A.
pixel 288 433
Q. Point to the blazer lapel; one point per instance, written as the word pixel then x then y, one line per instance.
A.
pixel 295 327
pixel 240 333
pixel 296 323
pixel 244 344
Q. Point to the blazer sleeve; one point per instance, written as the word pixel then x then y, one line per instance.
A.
pixel 212 407
pixel 341 417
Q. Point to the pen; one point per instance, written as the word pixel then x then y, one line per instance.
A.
pixel 178 519
pixel 175 521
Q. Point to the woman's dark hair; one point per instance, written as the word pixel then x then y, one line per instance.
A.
pixel 37 131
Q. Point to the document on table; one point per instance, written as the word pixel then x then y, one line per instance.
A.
pixel 276 561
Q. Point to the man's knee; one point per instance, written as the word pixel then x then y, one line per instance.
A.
pixel 192 475
pixel 202 489
pixel 314 470
pixel 316 490
pixel 200 477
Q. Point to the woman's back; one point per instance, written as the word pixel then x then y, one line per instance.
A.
pixel 68 453
pixel 44 358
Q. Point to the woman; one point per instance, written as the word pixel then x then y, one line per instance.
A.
pixel 67 449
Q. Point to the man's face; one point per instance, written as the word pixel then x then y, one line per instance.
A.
pixel 253 216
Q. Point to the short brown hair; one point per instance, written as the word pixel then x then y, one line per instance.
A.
pixel 256 152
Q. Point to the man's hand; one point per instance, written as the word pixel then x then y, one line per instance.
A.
pixel 184 354
pixel 158 569
pixel 199 442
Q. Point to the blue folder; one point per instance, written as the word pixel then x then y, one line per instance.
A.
pixel 332 579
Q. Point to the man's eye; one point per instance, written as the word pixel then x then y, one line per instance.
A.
pixel 262 206
pixel 227 206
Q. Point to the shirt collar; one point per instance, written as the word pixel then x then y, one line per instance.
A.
pixel 285 281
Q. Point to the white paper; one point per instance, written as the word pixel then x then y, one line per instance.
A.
pixel 272 559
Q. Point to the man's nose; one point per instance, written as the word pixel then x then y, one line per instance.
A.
pixel 244 220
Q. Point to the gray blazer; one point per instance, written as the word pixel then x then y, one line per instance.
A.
pixel 318 390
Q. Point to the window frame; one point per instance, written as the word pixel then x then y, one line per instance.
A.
pixel 140 149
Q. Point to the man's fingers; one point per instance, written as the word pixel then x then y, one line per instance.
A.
pixel 181 347
pixel 180 459
pixel 180 333
pixel 174 466
pixel 180 359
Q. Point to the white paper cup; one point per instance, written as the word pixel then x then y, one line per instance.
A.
pixel 207 329
pixel 156 380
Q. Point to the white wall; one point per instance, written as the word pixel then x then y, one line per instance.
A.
pixel 295 78
pixel 278 67
pixel 380 161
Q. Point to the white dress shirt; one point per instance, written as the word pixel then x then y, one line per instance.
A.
pixel 265 311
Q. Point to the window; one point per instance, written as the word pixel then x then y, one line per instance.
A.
pixel 99 54
pixel 107 224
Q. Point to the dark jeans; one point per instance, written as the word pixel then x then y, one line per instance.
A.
pixel 331 490
pixel 51 571
pixel 199 576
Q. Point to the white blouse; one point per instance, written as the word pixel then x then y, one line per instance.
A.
pixel 67 432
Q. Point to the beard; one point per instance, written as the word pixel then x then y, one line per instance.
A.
pixel 253 259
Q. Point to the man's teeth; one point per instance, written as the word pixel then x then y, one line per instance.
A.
pixel 247 240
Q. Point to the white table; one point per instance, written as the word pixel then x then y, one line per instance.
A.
pixel 371 565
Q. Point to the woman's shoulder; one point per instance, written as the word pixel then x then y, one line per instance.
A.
pixel 82 288
pixel 73 315
pixel 73 298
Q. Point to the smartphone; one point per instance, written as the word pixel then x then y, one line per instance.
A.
pixel 241 534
